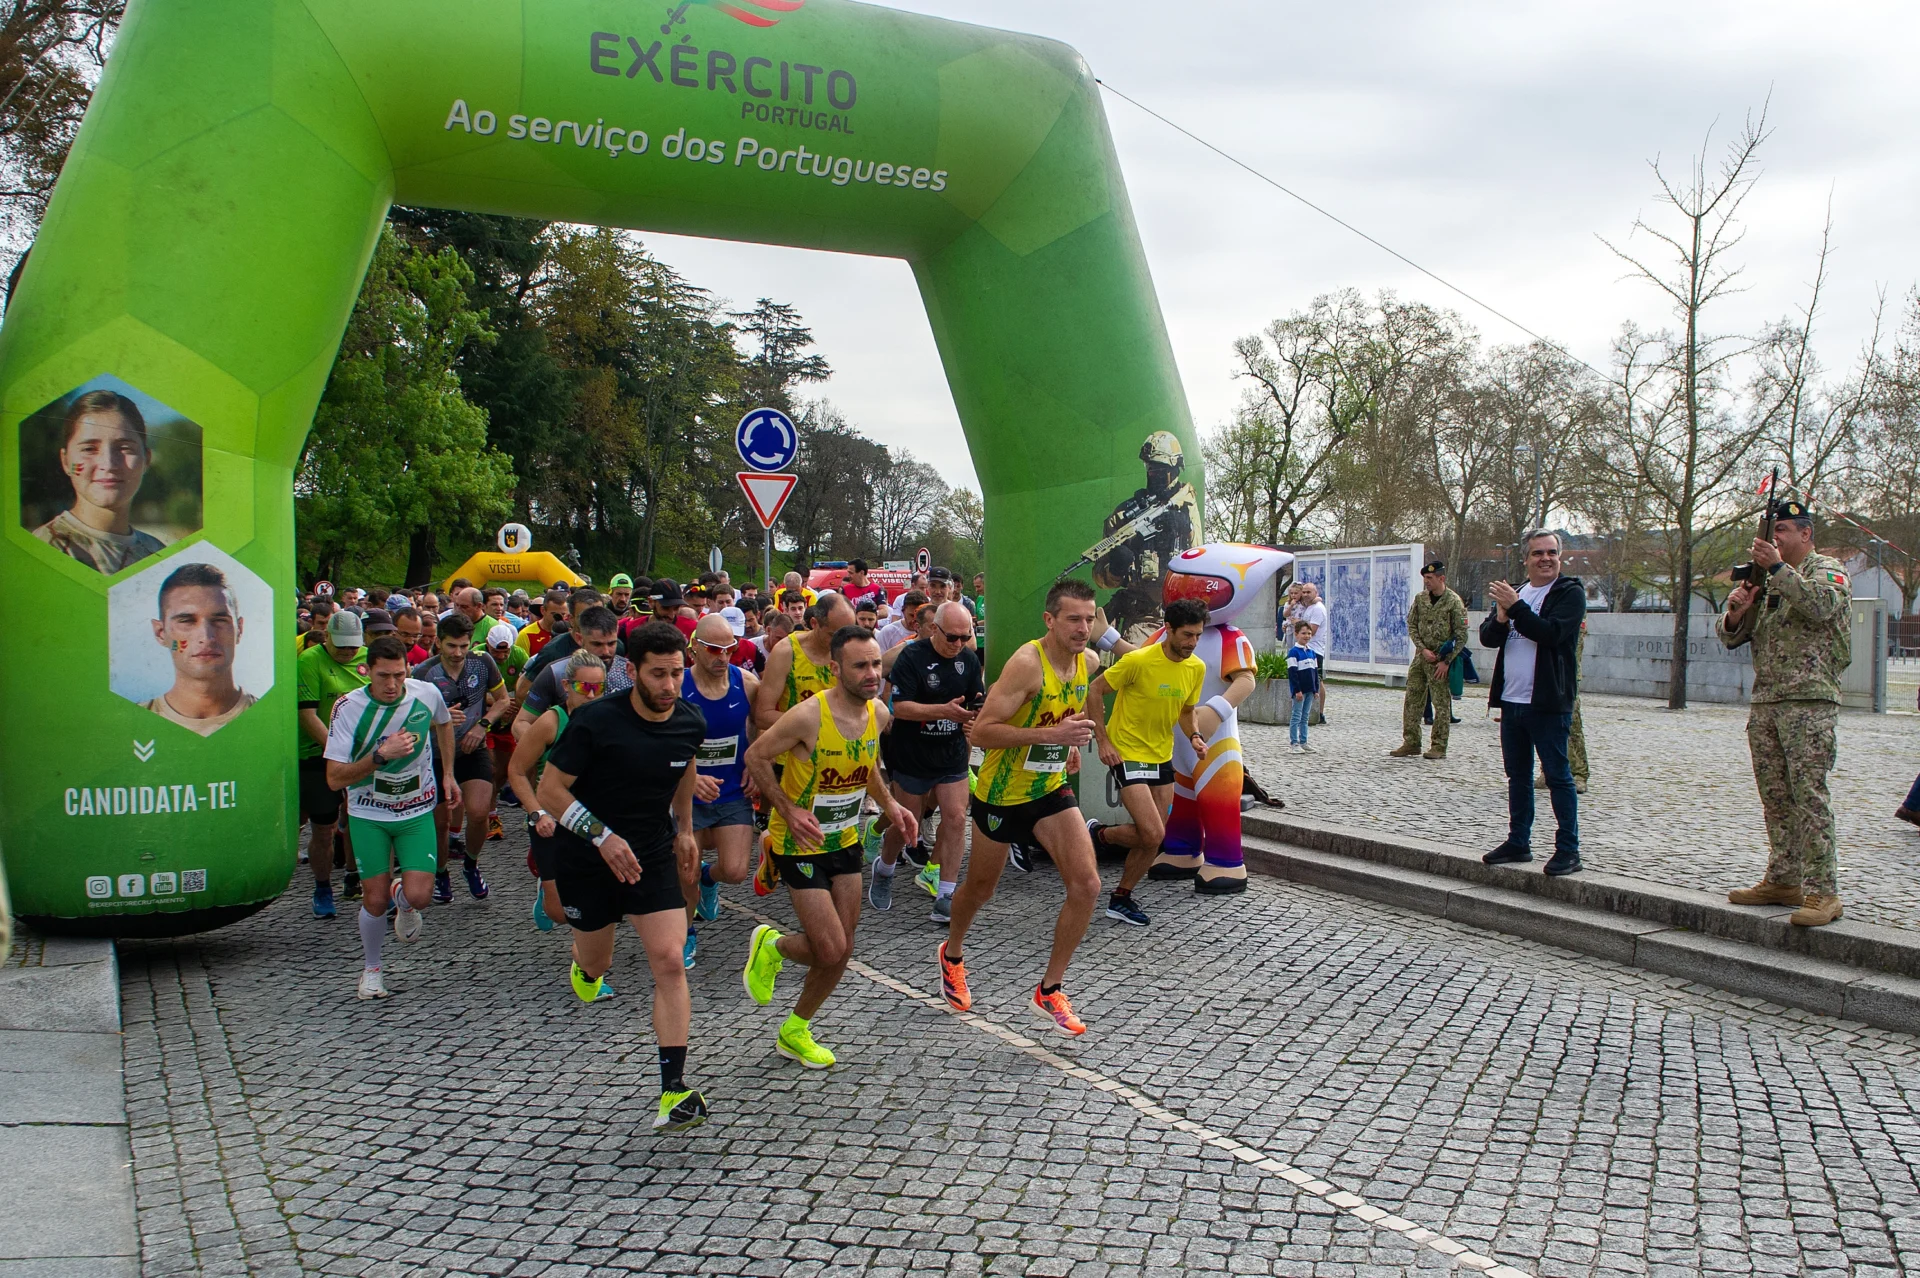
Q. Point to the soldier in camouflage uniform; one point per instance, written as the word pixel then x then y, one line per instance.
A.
pixel 1437 624
pixel 1795 616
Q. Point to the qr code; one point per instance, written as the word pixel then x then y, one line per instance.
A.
pixel 193 881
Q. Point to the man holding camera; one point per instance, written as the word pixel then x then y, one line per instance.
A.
pixel 1792 607
pixel 1437 625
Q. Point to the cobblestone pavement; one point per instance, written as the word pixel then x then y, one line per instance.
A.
pixel 1558 1114
pixel 1672 797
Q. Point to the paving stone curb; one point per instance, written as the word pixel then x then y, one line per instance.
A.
pixel 1855 970
pixel 65 1162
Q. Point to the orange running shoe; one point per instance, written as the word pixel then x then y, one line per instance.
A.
pixel 1055 1009
pixel 494 829
pixel 953 981
pixel 764 876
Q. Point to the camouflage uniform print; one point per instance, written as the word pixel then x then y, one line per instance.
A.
pixel 1801 643
pixel 1793 749
pixel 1432 623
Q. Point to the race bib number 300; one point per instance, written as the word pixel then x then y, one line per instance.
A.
pixel 1047 758
pixel 837 813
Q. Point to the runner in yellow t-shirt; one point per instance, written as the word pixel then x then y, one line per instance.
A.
pixel 831 745
pixel 1156 689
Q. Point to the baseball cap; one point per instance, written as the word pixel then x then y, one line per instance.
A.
pixel 397 602
pixel 501 633
pixel 940 574
pixel 736 621
pixel 620 579
pixel 379 622
pixel 666 591
pixel 343 629
pixel 519 596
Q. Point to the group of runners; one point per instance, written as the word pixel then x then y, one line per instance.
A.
pixel 645 777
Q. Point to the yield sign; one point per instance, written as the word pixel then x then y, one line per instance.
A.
pixel 766 493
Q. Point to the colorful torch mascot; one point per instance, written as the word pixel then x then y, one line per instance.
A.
pixel 1203 830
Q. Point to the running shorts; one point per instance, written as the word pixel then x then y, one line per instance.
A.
pixel 592 898
pixel 319 802
pixel 1014 823
pixel 804 873
pixel 475 765
pixel 735 811
pixel 923 785
pixel 546 852
pixel 378 845
pixel 1130 773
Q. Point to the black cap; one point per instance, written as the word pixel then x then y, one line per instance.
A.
pixel 1432 565
pixel 940 574
pixel 665 591
pixel 1794 512
pixel 378 621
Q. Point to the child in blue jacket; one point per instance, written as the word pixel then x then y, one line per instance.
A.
pixel 1303 682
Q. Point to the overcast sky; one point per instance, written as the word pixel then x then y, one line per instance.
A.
pixel 1490 142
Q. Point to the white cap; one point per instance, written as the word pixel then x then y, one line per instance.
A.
pixel 501 633
pixel 736 620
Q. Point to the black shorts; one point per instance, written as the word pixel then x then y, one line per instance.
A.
pixel 319 803
pixel 1130 773
pixel 920 787
pixel 475 765
pixel 801 873
pixel 1014 823
pixel 592 898
pixel 546 852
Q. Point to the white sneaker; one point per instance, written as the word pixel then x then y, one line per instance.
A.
pixel 1307 749
pixel 407 922
pixel 1295 749
pixel 371 984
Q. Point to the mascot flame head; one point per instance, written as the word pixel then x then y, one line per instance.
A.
pixel 1227 575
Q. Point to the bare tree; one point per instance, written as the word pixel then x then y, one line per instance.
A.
pixel 1701 446
pixel 1810 426
pixel 51 52
pixel 906 497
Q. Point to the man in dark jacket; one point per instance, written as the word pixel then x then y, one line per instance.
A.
pixel 1535 678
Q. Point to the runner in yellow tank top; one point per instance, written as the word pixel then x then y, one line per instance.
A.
pixel 1031 729
pixel 831 748
pixel 1015 775
pixel 801 666
pixel 828 782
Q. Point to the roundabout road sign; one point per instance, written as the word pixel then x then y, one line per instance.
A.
pixel 767 440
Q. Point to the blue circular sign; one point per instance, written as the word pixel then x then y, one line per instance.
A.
pixel 766 439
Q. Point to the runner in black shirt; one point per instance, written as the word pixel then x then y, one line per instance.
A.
pixel 622 778
pixel 937 687
pixel 471 685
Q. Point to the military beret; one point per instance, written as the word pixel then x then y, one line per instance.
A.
pixel 1791 511
pixel 1433 565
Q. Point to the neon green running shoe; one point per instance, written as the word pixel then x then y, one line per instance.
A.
pixel 590 989
pixel 763 964
pixel 929 878
pixel 679 1111
pixel 796 1044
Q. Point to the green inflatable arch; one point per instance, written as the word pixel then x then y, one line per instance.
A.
pixel 205 246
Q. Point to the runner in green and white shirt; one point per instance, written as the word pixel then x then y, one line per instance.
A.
pixel 380 752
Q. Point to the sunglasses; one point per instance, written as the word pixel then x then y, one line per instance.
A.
pixel 718 647
pixel 956 638
pixel 586 688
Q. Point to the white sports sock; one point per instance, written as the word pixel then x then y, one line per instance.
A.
pixel 947 887
pixel 372 932
pixel 881 868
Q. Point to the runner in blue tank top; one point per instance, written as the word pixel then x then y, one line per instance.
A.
pixel 722 805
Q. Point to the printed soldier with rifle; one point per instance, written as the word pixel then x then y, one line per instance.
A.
pixel 1143 534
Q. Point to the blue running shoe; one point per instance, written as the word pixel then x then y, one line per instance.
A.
pixel 709 907
pixel 443 888
pixel 541 919
pixel 476 886
pixel 323 900
pixel 691 949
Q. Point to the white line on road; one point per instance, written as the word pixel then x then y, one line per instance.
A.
pixel 1301 1181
